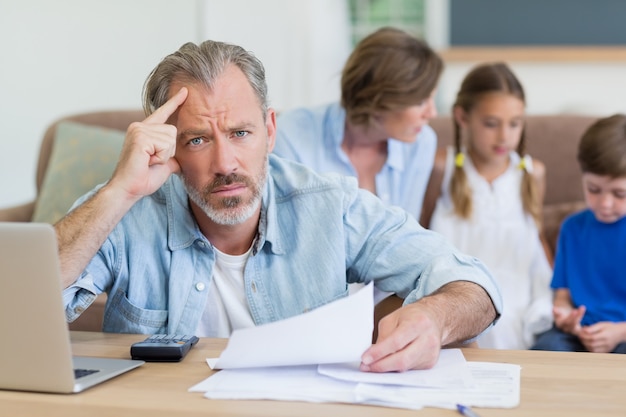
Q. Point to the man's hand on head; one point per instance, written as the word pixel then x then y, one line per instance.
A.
pixel 147 157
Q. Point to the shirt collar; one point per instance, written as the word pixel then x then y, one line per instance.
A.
pixel 268 231
pixel 395 154
pixel 183 229
pixel 335 128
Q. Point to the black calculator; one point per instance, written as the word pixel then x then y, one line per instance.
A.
pixel 163 347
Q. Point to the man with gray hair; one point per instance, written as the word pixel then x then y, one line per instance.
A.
pixel 238 237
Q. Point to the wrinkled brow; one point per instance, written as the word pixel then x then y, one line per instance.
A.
pixel 193 133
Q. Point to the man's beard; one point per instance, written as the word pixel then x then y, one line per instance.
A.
pixel 229 211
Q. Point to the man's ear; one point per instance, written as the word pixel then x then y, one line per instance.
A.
pixel 460 116
pixel 270 124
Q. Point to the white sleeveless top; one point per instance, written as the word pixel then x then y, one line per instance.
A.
pixel 506 239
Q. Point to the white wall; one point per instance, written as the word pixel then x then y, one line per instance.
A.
pixel 303 44
pixel 594 88
pixel 67 56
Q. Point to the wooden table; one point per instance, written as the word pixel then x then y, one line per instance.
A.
pixel 552 384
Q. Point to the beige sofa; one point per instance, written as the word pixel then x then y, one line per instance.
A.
pixel 553 139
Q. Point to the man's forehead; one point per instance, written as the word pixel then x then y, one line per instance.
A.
pixel 230 89
pixel 210 113
pixel 231 76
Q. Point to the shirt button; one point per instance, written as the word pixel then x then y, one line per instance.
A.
pixel 200 286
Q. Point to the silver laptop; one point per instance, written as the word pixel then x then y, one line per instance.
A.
pixel 35 352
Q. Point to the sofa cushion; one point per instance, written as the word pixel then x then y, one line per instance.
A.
pixel 82 157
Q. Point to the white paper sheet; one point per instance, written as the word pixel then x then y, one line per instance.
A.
pixel 496 385
pixel 336 332
pixel 288 383
pixel 450 371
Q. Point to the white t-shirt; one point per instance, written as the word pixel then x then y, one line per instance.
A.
pixel 226 308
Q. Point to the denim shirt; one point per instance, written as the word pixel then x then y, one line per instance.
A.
pixel 316 234
pixel 314 136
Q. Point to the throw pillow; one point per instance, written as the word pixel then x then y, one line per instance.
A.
pixel 82 157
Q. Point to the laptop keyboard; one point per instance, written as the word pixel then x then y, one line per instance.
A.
pixel 79 373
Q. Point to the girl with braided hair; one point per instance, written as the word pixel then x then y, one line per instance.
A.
pixel 488 196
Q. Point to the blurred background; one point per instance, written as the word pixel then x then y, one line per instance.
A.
pixel 70 56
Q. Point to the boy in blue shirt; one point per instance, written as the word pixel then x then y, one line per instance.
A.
pixel 589 279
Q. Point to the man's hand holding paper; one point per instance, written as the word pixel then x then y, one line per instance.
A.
pixel 411 337
pixel 408 338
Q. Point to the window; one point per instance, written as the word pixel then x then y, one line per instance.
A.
pixel 369 15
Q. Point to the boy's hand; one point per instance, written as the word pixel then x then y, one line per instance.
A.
pixel 602 337
pixel 568 319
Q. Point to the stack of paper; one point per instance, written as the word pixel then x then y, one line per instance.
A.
pixel 321 364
